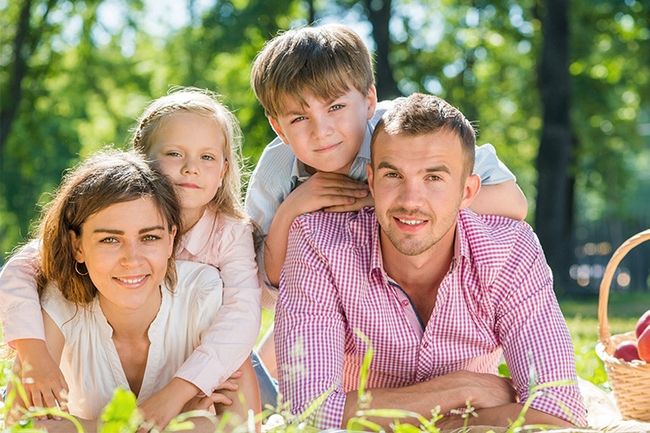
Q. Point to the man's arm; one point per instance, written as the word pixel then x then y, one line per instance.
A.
pixel 310 331
pixel 450 391
pixel 503 416
pixel 532 331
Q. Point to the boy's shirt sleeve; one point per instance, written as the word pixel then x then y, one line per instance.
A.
pixel 489 168
pixel 270 183
pixel 20 309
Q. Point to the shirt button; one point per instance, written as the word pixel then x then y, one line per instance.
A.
pixel 405 302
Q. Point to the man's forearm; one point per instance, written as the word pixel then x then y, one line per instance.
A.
pixel 504 416
pixel 449 392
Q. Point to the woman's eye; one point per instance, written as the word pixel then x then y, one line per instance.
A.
pixel 149 238
pixel 108 240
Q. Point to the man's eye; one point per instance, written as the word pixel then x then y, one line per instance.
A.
pixel 434 178
pixel 391 174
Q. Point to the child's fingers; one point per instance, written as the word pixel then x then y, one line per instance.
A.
pixel 229 386
pixel 218 398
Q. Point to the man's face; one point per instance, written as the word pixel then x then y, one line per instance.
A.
pixel 326 135
pixel 419 184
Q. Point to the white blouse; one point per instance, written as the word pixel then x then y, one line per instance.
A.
pixel 90 362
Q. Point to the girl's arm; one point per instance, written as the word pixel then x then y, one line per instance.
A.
pixel 23 323
pixel 233 331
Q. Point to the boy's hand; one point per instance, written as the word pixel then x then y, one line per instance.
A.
pixel 360 203
pixel 327 190
pixel 40 375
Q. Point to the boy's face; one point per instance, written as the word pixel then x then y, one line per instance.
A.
pixel 326 135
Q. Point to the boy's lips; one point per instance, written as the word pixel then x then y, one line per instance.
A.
pixel 327 147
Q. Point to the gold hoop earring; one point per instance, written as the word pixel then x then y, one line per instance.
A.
pixel 76 268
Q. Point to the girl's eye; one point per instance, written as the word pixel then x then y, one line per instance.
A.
pixel 208 157
pixel 149 238
pixel 173 153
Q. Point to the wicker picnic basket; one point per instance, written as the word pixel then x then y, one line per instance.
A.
pixel 630 380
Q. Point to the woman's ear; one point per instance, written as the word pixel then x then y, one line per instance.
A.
pixel 77 249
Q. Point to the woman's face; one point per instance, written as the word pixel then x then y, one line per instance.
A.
pixel 125 248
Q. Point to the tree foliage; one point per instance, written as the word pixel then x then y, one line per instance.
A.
pixel 74 75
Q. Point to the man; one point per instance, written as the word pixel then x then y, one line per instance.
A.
pixel 439 291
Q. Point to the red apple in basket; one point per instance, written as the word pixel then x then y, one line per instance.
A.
pixel 642 324
pixel 643 344
pixel 627 351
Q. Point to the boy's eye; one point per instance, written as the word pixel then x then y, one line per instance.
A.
pixel 336 107
pixel 297 119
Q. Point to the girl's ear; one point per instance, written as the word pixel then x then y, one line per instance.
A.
pixel 77 250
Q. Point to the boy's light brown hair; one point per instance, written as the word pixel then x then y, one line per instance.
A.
pixel 325 61
pixel 421 114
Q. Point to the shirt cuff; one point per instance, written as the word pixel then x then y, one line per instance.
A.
pixel 564 402
pixel 203 371
pixel 23 329
pixel 330 416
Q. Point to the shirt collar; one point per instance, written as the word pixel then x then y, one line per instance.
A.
pixel 197 237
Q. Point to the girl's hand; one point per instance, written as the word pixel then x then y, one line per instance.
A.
pixel 221 396
pixel 40 375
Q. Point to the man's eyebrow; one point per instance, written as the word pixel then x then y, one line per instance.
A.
pixel 388 165
pixel 434 169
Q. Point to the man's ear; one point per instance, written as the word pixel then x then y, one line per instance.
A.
pixel 77 250
pixel 470 190
pixel 372 100
pixel 371 176
pixel 277 128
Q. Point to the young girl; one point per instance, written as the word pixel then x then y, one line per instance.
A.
pixel 117 309
pixel 195 142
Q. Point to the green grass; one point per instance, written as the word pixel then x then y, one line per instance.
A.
pixel 582 318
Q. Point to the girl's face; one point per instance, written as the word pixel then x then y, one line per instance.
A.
pixel 189 149
pixel 125 248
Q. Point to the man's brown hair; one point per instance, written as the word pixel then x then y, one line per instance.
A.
pixel 324 61
pixel 421 114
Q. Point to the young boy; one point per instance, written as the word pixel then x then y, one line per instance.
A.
pixel 316 85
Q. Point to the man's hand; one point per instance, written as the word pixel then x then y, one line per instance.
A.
pixel 327 190
pixel 40 375
pixel 483 390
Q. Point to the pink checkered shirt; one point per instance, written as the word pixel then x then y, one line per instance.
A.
pixel 497 298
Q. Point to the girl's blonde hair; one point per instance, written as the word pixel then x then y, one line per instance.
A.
pixel 227 200
pixel 104 179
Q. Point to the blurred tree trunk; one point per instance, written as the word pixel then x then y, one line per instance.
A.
pixel 311 12
pixel 17 73
pixel 379 13
pixel 555 184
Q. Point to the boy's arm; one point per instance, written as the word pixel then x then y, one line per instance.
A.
pixel 322 190
pixel 23 323
pixel 505 199
pixel 499 193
